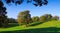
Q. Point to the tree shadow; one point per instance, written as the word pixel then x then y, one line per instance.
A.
pixel 36 24
pixel 12 25
pixel 37 30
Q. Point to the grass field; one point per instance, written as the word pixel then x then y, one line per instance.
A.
pixel 50 26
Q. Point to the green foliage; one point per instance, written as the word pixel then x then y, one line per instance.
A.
pixel 12 20
pixel 55 18
pixel 46 17
pixel 35 2
pixel 42 19
pixel 24 17
pixel 3 17
pixel 35 19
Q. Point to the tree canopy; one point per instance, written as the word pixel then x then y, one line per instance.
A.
pixel 24 17
pixel 3 17
pixel 34 2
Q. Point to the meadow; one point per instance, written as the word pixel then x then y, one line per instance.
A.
pixel 29 18
pixel 37 27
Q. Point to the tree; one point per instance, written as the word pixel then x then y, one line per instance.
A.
pixel 42 19
pixel 24 18
pixel 35 19
pixel 34 2
pixel 3 17
pixel 46 17
pixel 49 17
pixel 55 18
pixel 12 20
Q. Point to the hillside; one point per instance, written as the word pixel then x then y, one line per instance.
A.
pixel 48 24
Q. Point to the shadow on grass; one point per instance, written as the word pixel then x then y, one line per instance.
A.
pixel 37 30
pixel 36 24
pixel 12 25
pixel 16 24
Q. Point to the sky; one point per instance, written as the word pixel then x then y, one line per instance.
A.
pixel 53 8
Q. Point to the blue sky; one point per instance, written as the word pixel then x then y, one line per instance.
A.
pixel 53 8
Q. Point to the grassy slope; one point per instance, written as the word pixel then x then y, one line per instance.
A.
pixel 44 25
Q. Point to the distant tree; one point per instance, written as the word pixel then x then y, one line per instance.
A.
pixel 48 16
pixel 55 18
pixel 42 19
pixel 24 18
pixel 35 19
pixel 3 17
pixel 12 20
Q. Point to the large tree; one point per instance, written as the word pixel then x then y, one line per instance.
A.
pixel 3 17
pixel 24 18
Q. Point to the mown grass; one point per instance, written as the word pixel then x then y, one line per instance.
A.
pixel 37 30
pixel 50 26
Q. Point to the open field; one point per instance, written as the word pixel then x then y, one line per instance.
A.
pixel 50 26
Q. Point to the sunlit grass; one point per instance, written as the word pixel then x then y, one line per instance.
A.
pixel 43 25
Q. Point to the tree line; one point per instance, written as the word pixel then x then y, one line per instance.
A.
pixel 25 18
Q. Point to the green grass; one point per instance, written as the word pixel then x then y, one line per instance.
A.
pixel 39 27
